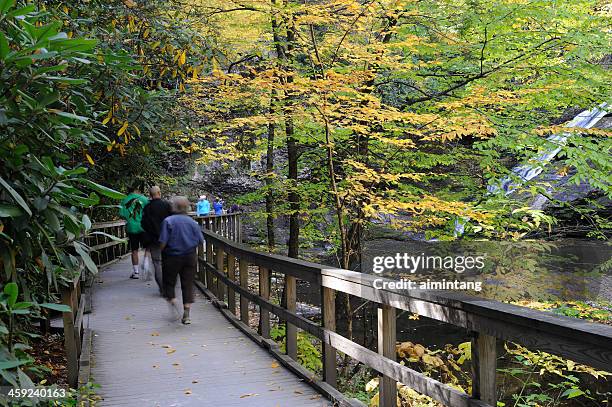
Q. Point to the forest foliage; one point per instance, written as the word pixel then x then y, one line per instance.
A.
pixel 359 112
pixel 408 109
pixel 82 87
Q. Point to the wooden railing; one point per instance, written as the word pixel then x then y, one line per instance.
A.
pixel 73 326
pixel 104 249
pixel 224 268
pixel 77 295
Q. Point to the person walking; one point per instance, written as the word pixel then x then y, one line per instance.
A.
pixel 235 208
pixel 203 206
pixel 131 210
pixel 153 215
pixel 218 206
pixel 179 237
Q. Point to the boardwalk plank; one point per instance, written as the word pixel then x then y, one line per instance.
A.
pixel 142 358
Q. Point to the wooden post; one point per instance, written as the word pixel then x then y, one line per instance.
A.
pixel 201 250
pixel 484 365
pixel 232 227
pixel 220 287
pixel 328 303
pixel 231 274
pixel 239 229
pixel 264 292
pixel 69 338
pixel 291 330
pixel 244 283
pixel 209 259
pixel 386 347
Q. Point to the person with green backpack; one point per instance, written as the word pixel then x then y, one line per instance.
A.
pixel 131 210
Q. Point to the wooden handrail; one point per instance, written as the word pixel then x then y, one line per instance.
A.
pixel 103 251
pixel 584 342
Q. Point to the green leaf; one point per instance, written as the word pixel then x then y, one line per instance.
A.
pixel 22 11
pixel 71 81
pixel 69 115
pixel 11 290
pixel 56 307
pixel 571 393
pixel 5 5
pixel 3 330
pixel 9 364
pixel 74 45
pixel 23 305
pixel 89 263
pixel 86 222
pixel 4 46
pixel 111 237
pixel 24 380
pixel 10 211
pixel 106 191
pixel 16 196
pixel 52 220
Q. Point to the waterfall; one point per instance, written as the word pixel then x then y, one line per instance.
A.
pixel 535 166
pixel 527 172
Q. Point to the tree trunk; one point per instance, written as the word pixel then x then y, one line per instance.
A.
pixel 269 178
pixel 292 158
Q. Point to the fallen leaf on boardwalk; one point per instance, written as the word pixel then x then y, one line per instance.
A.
pixel 194 381
pixel 187 392
pixel 128 318
pixel 194 354
pixel 155 334
pixel 274 365
pixel 170 351
pixel 298 392
pixel 316 397
pixel 248 395
pixel 166 346
pixel 176 364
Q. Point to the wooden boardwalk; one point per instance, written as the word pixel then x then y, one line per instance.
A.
pixel 142 358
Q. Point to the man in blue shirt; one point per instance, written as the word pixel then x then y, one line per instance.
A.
pixel 179 238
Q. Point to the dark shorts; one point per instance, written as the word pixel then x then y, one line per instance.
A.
pixel 136 241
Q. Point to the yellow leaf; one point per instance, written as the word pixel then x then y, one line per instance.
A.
pixel 182 58
pixel 109 148
pixel 108 117
pixel 91 161
pixel 274 365
pixel 123 128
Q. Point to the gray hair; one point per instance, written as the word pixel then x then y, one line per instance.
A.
pixel 154 191
pixel 180 204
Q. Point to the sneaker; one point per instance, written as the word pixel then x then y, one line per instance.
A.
pixel 186 321
pixel 173 311
pixel 135 276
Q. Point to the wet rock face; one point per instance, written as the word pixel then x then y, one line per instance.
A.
pixel 224 181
